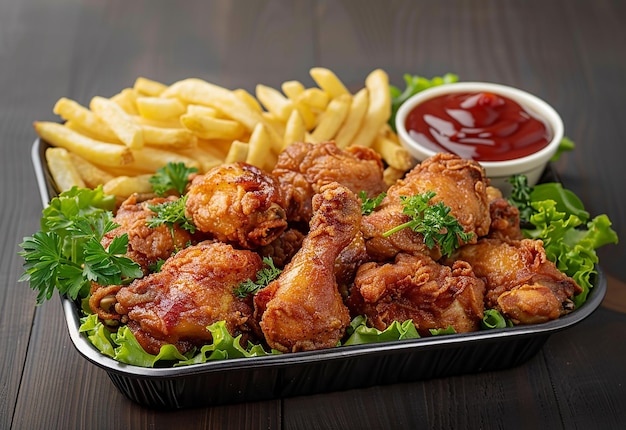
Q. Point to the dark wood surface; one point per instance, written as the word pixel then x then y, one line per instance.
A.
pixel 569 52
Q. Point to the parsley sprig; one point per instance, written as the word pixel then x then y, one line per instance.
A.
pixel 170 213
pixel 434 222
pixel 67 253
pixel 263 277
pixel 368 205
pixel 171 177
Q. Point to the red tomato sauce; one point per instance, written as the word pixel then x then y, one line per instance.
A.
pixel 480 126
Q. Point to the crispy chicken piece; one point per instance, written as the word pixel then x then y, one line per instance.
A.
pixel 416 287
pixel 193 290
pixel 302 309
pixel 146 245
pixel 458 183
pixel 282 249
pixel 237 203
pixel 505 218
pixel 521 281
pixel 303 168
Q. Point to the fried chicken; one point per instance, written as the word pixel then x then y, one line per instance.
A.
pixel 237 203
pixel 193 290
pixel 416 287
pixel 302 309
pixel 303 168
pixel 521 281
pixel 505 218
pixel 146 245
pixel 458 183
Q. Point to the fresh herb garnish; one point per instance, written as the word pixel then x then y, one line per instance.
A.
pixel 67 254
pixel 263 277
pixel 414 84
pixel 171 177
pixel 368 205
pixel 170 213
pixel 434 222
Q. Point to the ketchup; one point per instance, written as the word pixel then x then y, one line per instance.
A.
pixel 481 126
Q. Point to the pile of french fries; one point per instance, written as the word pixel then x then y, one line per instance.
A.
pixel 119 142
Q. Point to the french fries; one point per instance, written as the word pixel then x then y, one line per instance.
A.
pixel 118 142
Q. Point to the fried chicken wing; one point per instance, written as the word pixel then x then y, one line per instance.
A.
pixel 193 290
pixel 416 287
pixel 303 168
pixel 521 281
pixel 458 183
pixel 302 309
pixel 146 245
pixel 237 203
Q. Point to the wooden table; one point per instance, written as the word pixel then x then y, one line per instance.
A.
pixel 570 53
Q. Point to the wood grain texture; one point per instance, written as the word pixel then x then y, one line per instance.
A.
pixel 569 52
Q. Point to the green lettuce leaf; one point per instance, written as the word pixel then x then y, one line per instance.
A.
pixel 414 84
pixel 569 239
pixel 359 333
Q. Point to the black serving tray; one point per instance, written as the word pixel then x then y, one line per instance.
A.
pixel 303 373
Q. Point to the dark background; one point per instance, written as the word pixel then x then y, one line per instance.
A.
pixel 570 53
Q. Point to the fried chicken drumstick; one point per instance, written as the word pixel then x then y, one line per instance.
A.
pixel 302 309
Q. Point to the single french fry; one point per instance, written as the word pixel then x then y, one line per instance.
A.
pixel 62 170
pixel 128 170
pixel 316 98
pixel 248 99
pixel 202 110
pixel 169 138
pixel 218 147
pixel 71 110
pixel 78 128
pixel 292 89
pixel 152 159
pixel 91 174
pixel 379 109
pixel 351 125
pixel 391 175
pixel 127 100
pixel 160 108
pixel 238 152
pixel 331 120
pixel 329 82
pixel 148 87
pixel 205 158
pixel 274 102
pixel 118 121
pixel 124 186
pixel 103 153
pixel 395 155
pixel 259 146
pixel 295 130
pixel 141 121
pixel 208 127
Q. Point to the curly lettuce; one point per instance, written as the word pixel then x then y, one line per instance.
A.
pixel 557 217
